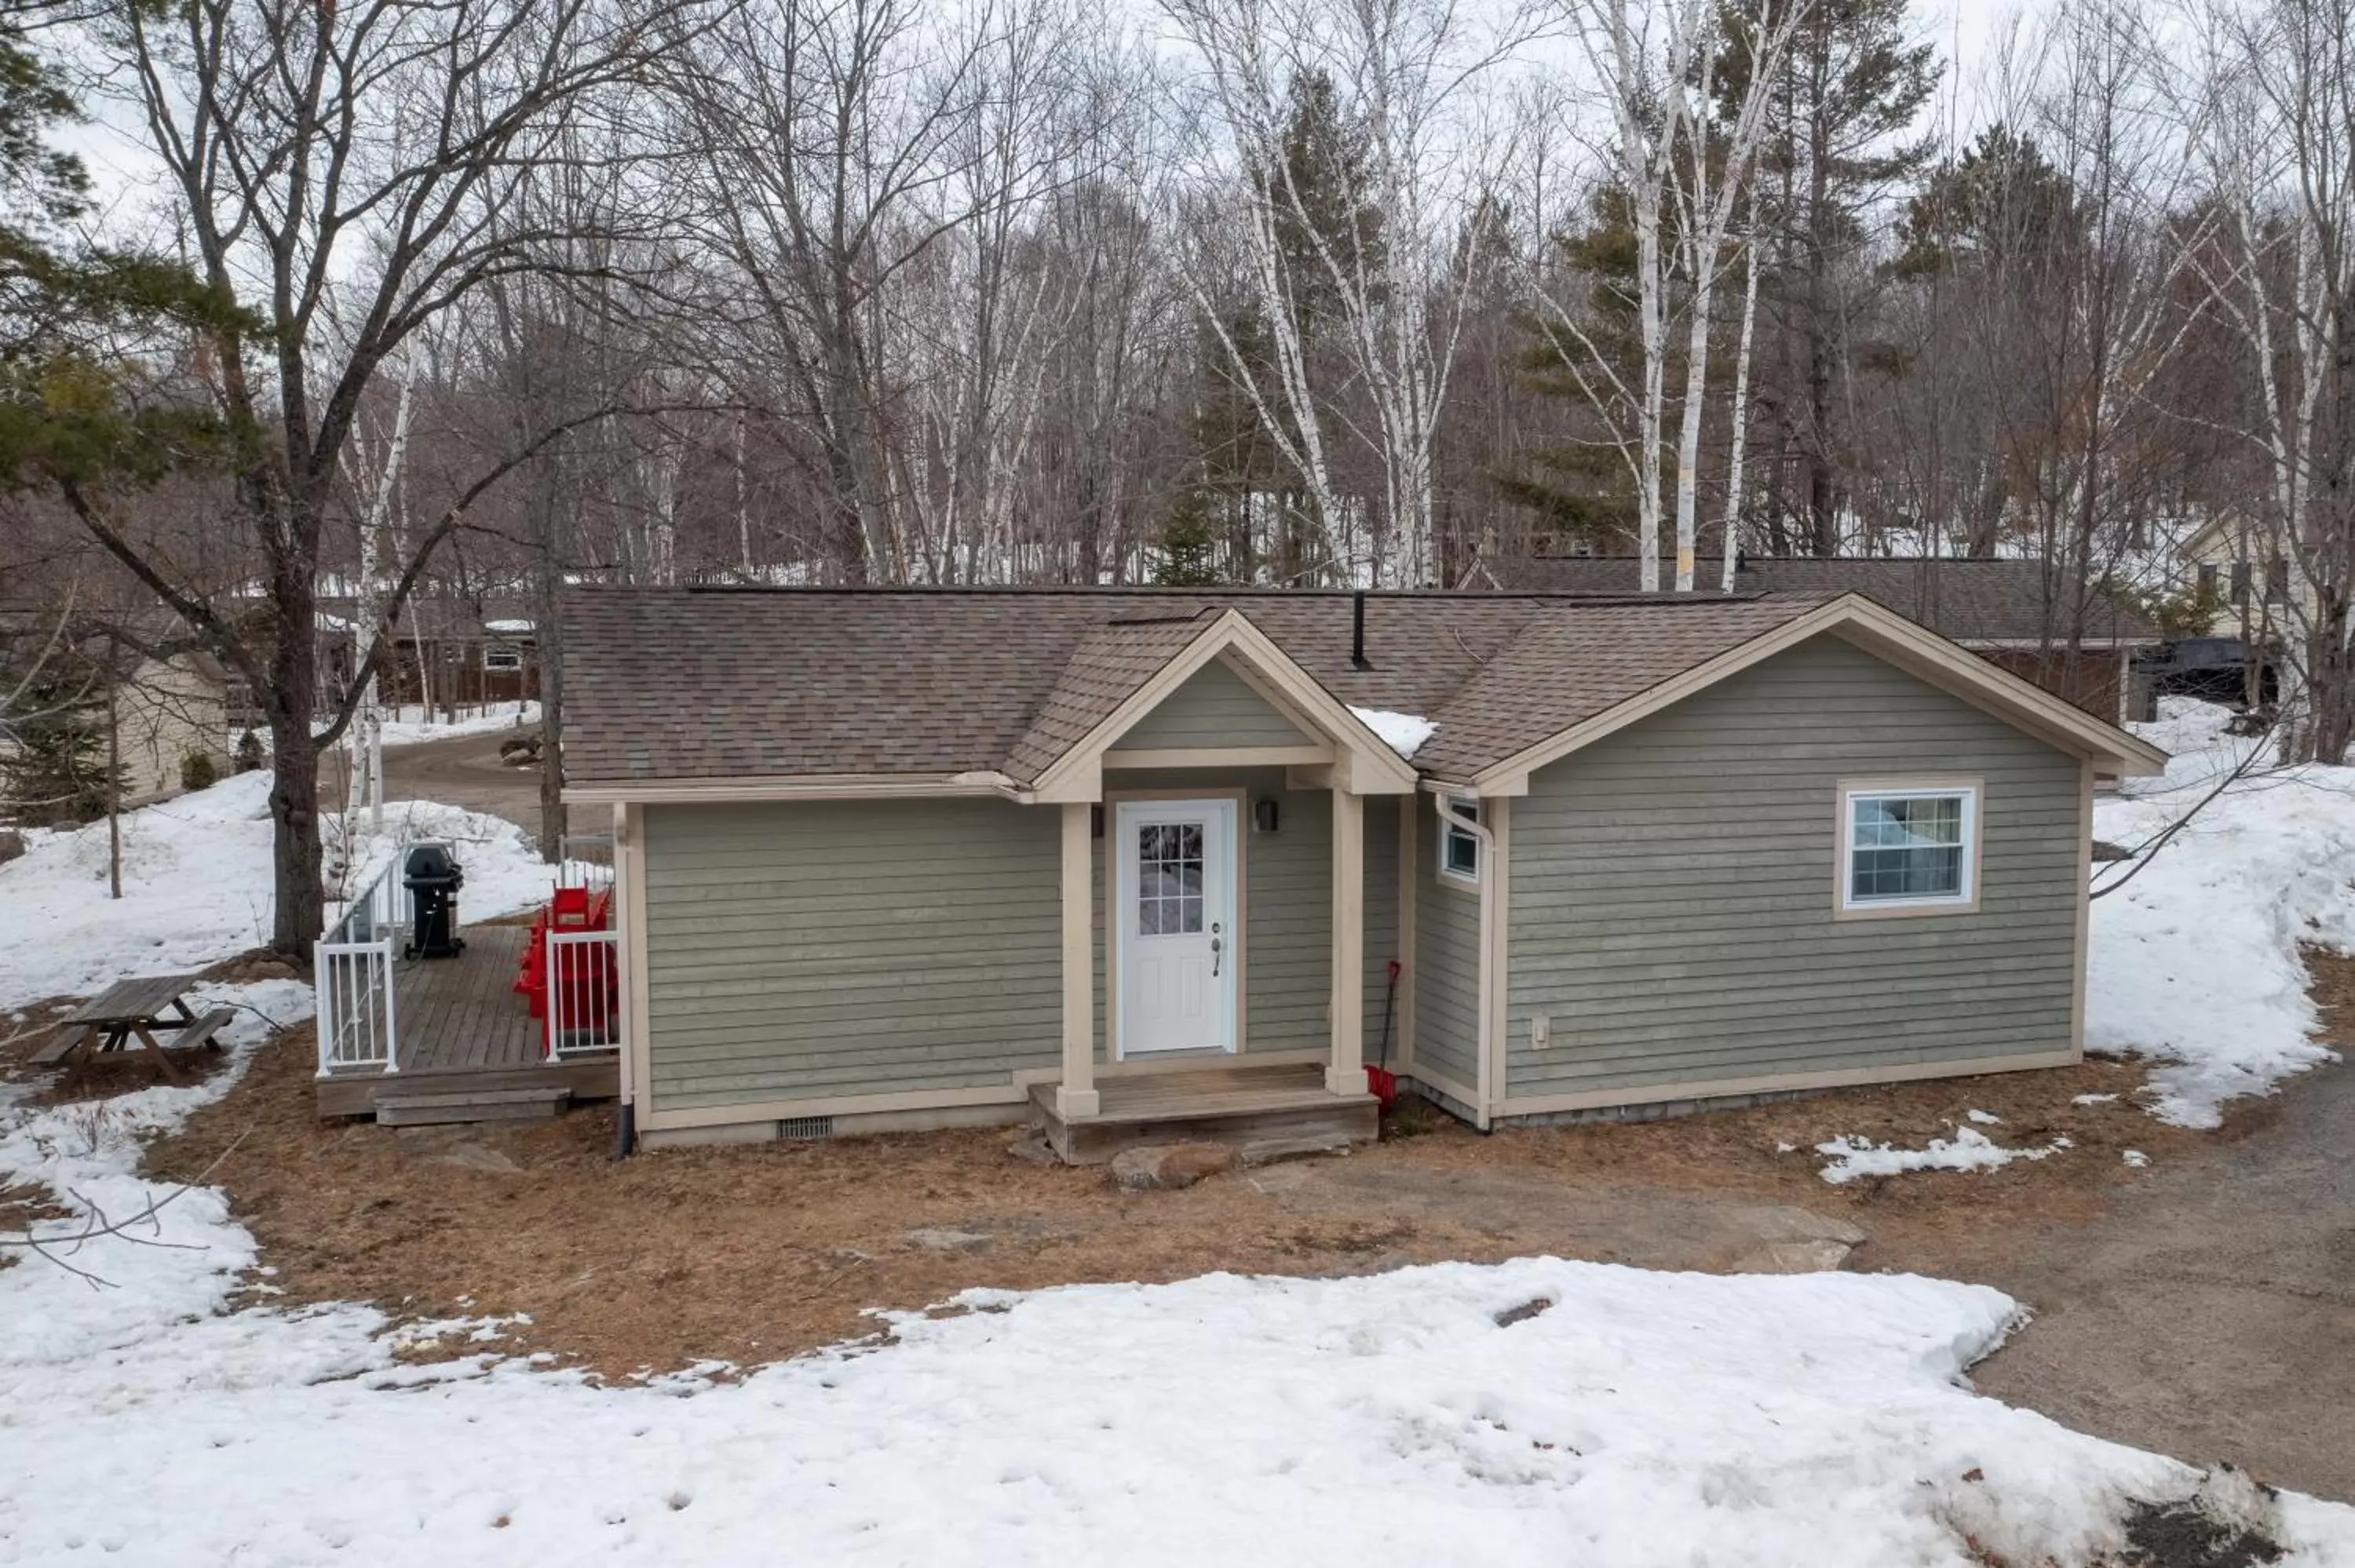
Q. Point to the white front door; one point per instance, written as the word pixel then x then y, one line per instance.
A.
pixel 1173 925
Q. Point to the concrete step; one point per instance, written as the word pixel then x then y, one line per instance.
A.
pixel 540 1103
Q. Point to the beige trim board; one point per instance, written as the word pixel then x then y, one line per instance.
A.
pixel 1892 639
pixel 1218 756
pixel 2084 907
pixel 1008 1093
pixel 1461 1094
pixel 1076 1095
pixel 1410 833
pixel 1773 1083
pixel 1974 843
pixel 1496 956
pixel 856 1124
pixel 630 829
pixel 799 786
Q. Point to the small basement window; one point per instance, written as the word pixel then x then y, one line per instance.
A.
pixel 1459 851
pixel 1909 849
pixel 502 656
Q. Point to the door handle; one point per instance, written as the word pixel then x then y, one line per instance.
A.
pixel 1216 948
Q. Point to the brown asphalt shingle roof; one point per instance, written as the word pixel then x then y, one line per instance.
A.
pixel 1108 667
pixel 1570 663
pixel 684 683
pixel 1968 601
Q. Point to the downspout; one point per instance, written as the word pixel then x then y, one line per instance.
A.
pixel 1487 842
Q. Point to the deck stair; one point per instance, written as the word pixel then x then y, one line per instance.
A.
pixel 470 1050
pixel 540 1103
pixel 1266 1113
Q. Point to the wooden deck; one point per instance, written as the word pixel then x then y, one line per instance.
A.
pixel 1266 1112
pixel 468 1041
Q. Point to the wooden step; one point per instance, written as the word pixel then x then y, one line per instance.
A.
pixel 538 1104
pixel 354 1094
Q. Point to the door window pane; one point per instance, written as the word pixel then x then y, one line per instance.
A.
pixel 1169 879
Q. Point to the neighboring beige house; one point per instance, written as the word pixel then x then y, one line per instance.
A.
pixel 2260 596
pixel 167 710
pixel 1136 864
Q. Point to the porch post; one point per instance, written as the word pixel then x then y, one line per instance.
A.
pixel 1076 1095
pixel 1344 1068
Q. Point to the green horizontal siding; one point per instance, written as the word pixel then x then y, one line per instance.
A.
pixel 1214 706
pixel 1447 956
pixel 1382 937
pixel 849 947
pixel 1674 887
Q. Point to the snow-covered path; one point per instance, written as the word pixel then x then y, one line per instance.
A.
pixel 2195 957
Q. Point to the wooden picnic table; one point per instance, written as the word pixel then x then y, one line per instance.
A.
pixel 138 1008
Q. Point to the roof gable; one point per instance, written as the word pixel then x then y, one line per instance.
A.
pixel 1214 706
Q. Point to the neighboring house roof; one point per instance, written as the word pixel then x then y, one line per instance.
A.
pixel 999 688
pixel 434 619
pixel 2001 601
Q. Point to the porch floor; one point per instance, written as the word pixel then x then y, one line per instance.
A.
pixel 468 1044
pixel 1266 1112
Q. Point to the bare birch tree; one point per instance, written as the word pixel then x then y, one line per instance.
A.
pixel 362 151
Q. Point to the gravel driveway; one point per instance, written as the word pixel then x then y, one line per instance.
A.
pixel 465 771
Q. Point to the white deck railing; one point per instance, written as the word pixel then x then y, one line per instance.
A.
pixel 584 1013
pixel 585 860
pixel 352 965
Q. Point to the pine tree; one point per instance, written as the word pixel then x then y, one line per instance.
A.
pixel 1840 142
pixel 1189 544
pixel 55 773
pixel 1580 490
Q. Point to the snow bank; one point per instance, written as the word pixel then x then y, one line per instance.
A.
pixel 197 885
pixel 410 725
pixel 2194 963
pixel 1403 733
pixel 1968 1149
pixel 1635 1418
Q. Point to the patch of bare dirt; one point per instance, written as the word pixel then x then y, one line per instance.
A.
pixel 754 1252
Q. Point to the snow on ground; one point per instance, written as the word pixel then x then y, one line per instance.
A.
pixel 1968 1149
pixel 409 725
pixel 2194 961
pixel 197 885
pixel 1403 733
pixel 1551 1412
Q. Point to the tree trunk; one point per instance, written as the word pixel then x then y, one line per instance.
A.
pixel 301 909
pixel 549 646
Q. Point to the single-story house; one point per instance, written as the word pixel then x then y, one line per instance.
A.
pixel 458 651
pixel 2040 622
pixel 1137 863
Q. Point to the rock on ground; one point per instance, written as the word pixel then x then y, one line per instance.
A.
pixel 1166 1167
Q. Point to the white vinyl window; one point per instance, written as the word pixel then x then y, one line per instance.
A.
pixel 1459 851
pixel 502 656
pixel 1909 849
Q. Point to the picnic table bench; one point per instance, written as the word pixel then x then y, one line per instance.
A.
pixel 137 1009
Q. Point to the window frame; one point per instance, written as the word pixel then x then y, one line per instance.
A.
pixel 512 650
pixel 1850 792
pixel 1449 833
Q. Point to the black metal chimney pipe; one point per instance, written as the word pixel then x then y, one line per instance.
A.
pixel 1358 632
